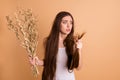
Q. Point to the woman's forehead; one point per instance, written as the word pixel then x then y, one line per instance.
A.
pixel 67 18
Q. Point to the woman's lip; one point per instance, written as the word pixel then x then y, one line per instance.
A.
pixel 67 29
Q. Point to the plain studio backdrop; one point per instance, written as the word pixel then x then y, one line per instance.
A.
pixel 100 19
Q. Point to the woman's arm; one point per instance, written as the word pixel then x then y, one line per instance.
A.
pixel 79 46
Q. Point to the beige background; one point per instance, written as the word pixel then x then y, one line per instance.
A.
pixel 101 50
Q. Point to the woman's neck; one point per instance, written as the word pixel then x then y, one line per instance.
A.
pixel 62 37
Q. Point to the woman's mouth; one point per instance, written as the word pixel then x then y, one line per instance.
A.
pixel 67 30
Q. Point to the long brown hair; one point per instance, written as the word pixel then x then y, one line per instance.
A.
pixel 51 48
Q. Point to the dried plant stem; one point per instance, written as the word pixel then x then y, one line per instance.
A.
pixel 23 24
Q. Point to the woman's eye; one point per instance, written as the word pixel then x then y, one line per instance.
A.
pixel 64 22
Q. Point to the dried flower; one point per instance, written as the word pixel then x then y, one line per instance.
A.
pixel 23 23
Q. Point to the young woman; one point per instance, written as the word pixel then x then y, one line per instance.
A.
pixel 62 50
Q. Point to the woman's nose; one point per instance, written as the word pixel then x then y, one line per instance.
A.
pixel 68 25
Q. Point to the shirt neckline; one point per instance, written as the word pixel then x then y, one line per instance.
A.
pixel 61 47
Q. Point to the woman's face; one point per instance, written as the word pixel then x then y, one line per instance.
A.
pixel 66 25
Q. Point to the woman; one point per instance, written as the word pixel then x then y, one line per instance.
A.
pixel 62 50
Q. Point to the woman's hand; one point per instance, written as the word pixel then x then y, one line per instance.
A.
pixel 35 61
pixel 79 44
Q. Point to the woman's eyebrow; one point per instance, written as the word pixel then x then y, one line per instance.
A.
pixel 67 20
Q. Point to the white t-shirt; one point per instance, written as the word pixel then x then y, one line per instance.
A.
pixel 61 67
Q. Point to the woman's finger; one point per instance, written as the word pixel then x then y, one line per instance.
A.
pixel 79 44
